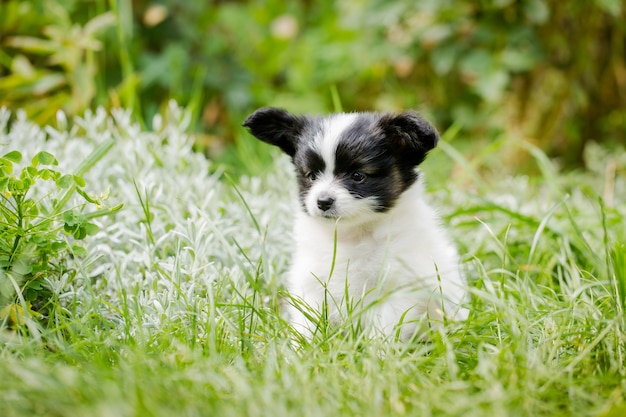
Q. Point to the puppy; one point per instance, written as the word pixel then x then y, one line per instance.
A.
pixel 367 245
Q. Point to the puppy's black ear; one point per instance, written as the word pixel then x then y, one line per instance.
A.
pixel 410 135
pixel 276 127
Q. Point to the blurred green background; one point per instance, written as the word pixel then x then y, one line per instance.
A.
pixel 496 72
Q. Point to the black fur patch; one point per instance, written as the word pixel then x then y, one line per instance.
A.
pixel 364 148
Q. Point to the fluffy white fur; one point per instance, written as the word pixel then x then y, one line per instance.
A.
pixel 401 260
pixel 374 252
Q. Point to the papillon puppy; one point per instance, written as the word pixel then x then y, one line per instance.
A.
pixel 367 245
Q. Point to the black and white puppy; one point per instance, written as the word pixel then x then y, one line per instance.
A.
pixel 365 239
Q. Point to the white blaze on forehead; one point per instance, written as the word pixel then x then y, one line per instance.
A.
pixel 327 139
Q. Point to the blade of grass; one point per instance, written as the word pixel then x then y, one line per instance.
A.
pixel 336 99
pixel 145 206
pixel 542 226
pixel 245 203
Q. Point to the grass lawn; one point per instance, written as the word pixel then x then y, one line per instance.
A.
pixel 172 309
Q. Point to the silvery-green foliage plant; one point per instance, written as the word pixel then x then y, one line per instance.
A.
pixel 184 229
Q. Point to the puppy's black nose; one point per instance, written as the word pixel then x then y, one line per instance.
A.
pixel 324 203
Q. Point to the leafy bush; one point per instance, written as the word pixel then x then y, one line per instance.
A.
pixel 34 225
pixel 541 69
pixel 544 69
pixel 52 61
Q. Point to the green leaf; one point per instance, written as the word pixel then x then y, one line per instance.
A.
pixel 80 233
pixel 29 172
pixel 34 285
pixel 79 180
pixel 13 156
pixel 17 186
pixel 57 247
pixel 6 166
pixel 91 229
pixel 70 218
pixel 65 181
pixel 44 158
pixel 44 174
pixel 21 268
pixel 79 251
pixel 47 174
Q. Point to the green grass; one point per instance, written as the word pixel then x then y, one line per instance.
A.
pixel 174 309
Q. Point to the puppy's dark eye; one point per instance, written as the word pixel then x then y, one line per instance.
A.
pixel 312 176
pixel 357 176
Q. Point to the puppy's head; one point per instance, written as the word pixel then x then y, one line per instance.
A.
pixel 349 166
